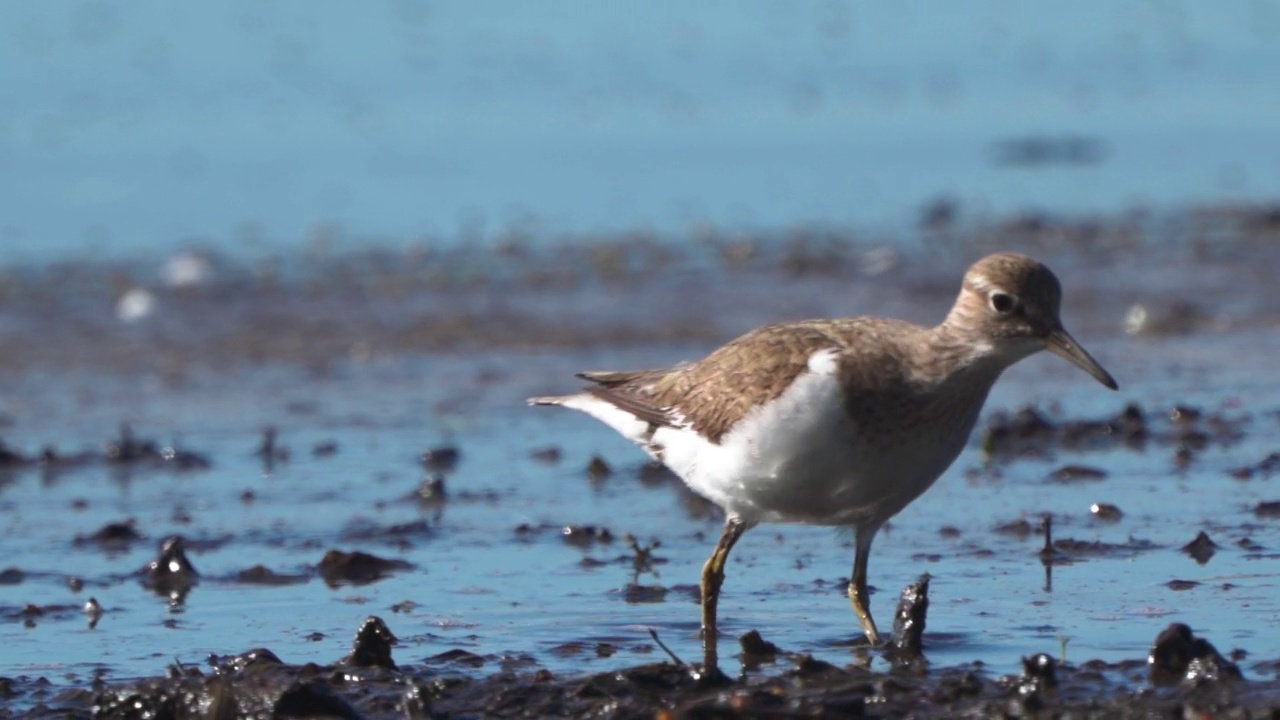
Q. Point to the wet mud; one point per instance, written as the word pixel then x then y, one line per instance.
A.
pixel 631 290
pixel 1182 675
pixel 291 445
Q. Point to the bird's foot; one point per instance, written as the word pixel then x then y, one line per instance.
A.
pixel 709 677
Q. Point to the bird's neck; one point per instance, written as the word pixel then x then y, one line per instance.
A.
pixel 957 352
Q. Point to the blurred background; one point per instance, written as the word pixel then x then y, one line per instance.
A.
pixel 131 128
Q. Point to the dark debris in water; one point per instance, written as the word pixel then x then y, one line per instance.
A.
pixel 93 611
pixel 755 649
pixel 1034 150
pixel 550 455
pixel 431 492
pixel 270 450
pixel 113 536
pixel 131 451
pixel 1033 433
pixel 1020 528
pixel 257 657
pixel 635 593
pixel 598 470
pixel 442 459
pixel 171 573
pixel 262 575
pixel 1039 680
pixel 30 614
pixel 457 657
pixel 1266 467
pixel 579 536
pixel 1067 551
pixel 338 567
pixel 1094 548
pixel 398 534
pixel 1269 509
pixel 586 535
pixel 1179 657
pixel 124 453
pixel 1187 677
pixel 372 647
pixel 1106 512
pixel 907 640
pixel 1077 473
pixel 1201 549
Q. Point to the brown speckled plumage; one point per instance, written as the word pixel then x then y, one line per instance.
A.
pixel 877 367
pixel 838 422
pixel 883 363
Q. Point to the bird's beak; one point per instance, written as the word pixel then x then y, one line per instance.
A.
pixel 1061 343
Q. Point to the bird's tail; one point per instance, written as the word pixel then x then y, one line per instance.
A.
pixel 549 400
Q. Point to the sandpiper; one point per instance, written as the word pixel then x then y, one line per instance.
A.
pixel 839 422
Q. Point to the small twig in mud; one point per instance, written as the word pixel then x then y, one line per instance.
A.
pixel 1048 555
pixel 674 658
pixel 1047 525
pixel 270 450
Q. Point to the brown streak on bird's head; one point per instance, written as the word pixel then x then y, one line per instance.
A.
pixel 1009 296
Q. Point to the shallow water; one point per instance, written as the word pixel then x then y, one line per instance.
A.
pixel 494 574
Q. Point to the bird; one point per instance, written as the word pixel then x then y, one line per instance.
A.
pixel 834 422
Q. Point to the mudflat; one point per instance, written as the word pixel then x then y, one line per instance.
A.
pixel 210 486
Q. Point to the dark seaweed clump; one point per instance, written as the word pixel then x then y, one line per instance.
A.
pixel 1188 677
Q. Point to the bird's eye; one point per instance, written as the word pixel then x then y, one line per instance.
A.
pixel 1003 303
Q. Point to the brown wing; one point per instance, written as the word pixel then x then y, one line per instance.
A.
pixel 626 389
pixel 713 394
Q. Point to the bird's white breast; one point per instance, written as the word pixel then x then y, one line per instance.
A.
pixel 801 458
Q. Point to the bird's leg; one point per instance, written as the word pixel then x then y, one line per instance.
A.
pixel 858 583
pixel 712 579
